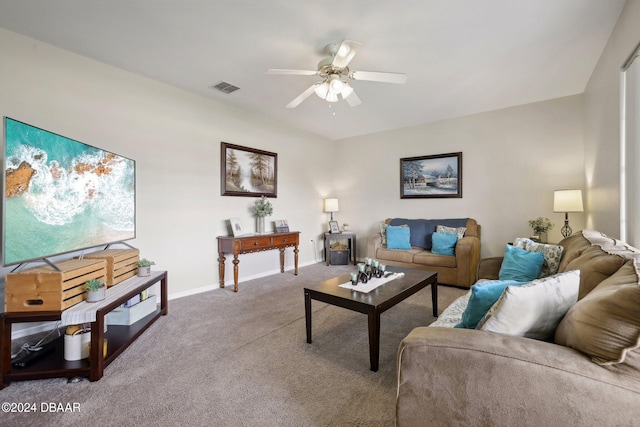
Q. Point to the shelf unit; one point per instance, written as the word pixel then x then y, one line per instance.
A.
pixel 54 365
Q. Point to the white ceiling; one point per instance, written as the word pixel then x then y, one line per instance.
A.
pixel 461 56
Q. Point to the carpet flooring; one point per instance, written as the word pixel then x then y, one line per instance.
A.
pixel 241 359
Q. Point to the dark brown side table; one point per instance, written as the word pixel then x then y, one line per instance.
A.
pixel 351 237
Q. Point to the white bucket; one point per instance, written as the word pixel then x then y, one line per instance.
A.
pixel 77 346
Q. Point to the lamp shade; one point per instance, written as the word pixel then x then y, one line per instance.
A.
pixel 331 205
pixel 567 201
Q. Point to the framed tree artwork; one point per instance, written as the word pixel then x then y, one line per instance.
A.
pixel 437 176
pixel 248 171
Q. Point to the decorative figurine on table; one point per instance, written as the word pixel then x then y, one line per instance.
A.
pixel 368 268
pixel 362 274
pixel 354 279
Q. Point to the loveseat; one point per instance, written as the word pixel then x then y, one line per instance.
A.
pixel 586 374
pixel 457 269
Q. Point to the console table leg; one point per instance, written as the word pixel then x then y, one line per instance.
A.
pixel 295 259
pixel 221 260
pixel 236 261
pixel 282 260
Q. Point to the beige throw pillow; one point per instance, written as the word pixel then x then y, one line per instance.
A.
pixel 605 324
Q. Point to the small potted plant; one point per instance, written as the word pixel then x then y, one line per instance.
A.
pixel 540 228
pixel 96 290
pixel 144 267
pixel 261 208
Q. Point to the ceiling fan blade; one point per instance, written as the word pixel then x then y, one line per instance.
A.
pixel 292 72
pixel 353 100
pixel 304 95
pixel 345 53
pixel 375 76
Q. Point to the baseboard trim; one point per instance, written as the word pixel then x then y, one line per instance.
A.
pixel 207 288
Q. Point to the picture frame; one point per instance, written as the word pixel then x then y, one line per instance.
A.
pixel 433 176
pixel 248 172
pixel 282 226
pixel 333 227
pixel 236 227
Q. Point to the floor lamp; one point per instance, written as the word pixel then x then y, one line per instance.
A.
pixel 567 201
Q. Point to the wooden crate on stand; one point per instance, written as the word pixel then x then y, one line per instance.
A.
pixel 121 263
pixel 44 288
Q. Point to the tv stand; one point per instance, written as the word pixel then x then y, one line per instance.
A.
pixel 118 337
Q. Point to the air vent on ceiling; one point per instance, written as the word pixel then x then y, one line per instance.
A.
pixel 225 87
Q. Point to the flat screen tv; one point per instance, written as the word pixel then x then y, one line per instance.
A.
pixel 61 195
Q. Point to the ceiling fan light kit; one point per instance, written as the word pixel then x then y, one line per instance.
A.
pixel 333 70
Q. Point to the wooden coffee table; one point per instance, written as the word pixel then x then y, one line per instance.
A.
pixel 373 303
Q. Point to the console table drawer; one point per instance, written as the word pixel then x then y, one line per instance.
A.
pixel 285 240
pixel 257 242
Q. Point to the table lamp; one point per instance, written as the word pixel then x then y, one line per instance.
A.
pixel 331 205
pixel 567 201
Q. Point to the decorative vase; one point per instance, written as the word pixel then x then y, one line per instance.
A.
pixel 260 225
pixel 542 235
pixel 95 296
pixel 144 271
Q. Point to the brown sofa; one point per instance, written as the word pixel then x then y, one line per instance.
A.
pixel 588 376
pixel 458 270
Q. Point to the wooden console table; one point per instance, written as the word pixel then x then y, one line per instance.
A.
pixel 255 243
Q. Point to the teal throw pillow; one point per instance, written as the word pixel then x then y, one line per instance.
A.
pixel 520 265
pixel 483 296
pixel 398 238
pixel 443 243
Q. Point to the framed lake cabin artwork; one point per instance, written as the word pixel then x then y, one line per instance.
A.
pixel 437 176
pixel 248 171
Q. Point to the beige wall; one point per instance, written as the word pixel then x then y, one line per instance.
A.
pixel 512 159
pixel 175 138
pixel 602 125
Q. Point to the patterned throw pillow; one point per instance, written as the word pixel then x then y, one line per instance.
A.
pixel 552 254
pixel 383 233
pixel 459 231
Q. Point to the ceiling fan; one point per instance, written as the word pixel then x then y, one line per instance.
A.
pixel 334 71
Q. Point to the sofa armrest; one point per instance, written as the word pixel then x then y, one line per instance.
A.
pixel 373 243
pixel 467 258
pixel 489 268
pixel 469 377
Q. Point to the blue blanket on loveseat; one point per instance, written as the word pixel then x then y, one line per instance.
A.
pixel 420 230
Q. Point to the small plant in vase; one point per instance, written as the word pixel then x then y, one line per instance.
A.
pixel 261 208
pixel 540 228
pixel 144 267
pixel 96 290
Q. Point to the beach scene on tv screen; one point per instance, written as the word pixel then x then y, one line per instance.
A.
pixel 62 195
